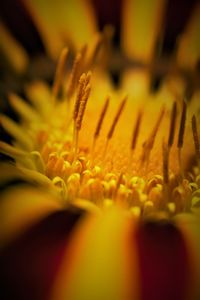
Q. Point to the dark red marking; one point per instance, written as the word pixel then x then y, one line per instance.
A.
pixel 29 265
pixel 164 266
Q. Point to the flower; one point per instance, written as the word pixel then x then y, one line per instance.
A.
pixel 108 201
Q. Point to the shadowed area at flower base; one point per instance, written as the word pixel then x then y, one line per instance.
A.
pixel 164 262
pixel 29 264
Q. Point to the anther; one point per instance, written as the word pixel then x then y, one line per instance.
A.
pixel 165 186
pixel 195 137
pixel 181 136
pixel 165 163
pixel 119 181
pixel 83 52
pixel 157 125
pixel 116 119
pixel 172 125
pixel 74 75
pixel 149 143
pixel 101 118
pixel 94 50
pixel 112 128
pixel 99 125
pixel 80 105
pixel 136 130
pixel 182 126
pixel 79 95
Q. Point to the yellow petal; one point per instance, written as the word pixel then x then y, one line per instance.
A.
pixel 101 262
pixel 23 108
pixel 189 224
pixel 17 132
pixel 20 208
pixel 13 51
pixel 39 94
pixel 141 25
pixel 36 177
pixel 60 21
pixel 189 45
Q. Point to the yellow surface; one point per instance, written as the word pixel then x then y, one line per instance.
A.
pixel 141 26
pixel 101 263
pixel 20 208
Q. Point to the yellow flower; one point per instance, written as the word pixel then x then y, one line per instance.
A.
pixel 111 208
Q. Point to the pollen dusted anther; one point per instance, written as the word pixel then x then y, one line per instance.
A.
pixel 80 105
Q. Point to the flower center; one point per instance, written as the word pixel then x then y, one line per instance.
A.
pixel 105 163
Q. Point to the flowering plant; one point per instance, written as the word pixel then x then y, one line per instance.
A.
pixel 107 200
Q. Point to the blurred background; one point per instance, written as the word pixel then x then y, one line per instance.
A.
pixel 16 17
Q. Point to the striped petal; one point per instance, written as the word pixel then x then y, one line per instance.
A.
pixel 101 261
pixel 164 263
pixel 30 263
pixel 20 208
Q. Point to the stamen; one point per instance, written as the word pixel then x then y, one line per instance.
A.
pixel 182 126
pixel 117 186
pixel 195 137
pixel 59 73
pixel 165 163
pixel 157 125
pixel 136 130
pixel 88 77
pixel 149 143
pixel 101 118
pixel 74 75
pixel 116 119
pixel 181 136
pixel 94 50
pixel 83 52
pixel 172 125
pixel 76 109
pixel 80 105
pixel 112 128
pixel 79 95
pixel 99 125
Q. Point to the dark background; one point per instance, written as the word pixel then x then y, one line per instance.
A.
pixel 15 16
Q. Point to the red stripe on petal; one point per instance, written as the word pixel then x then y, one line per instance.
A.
pixel 163 262
pixel 29 265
